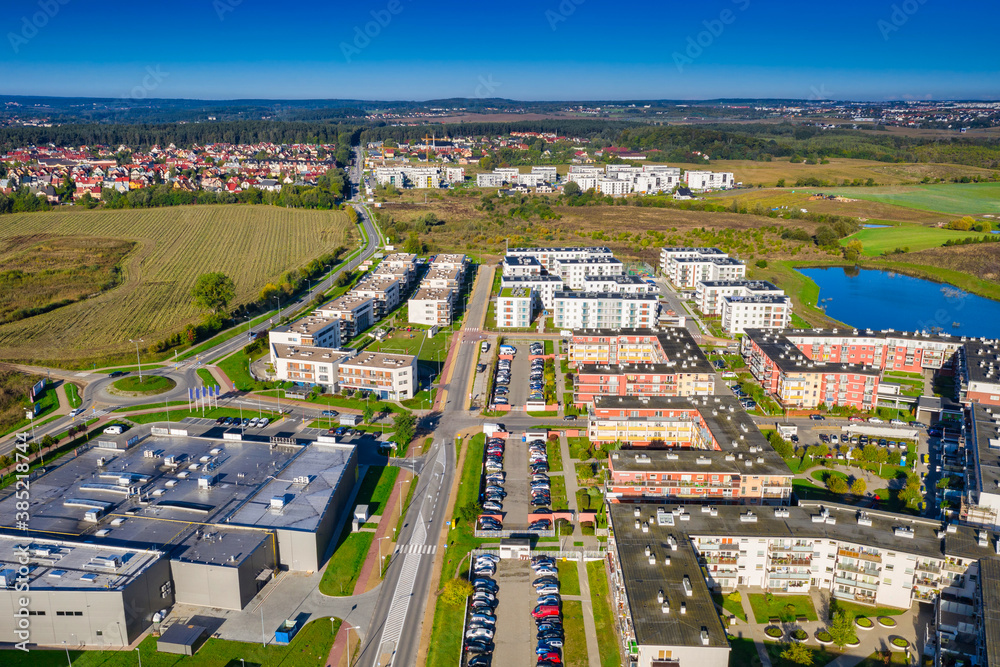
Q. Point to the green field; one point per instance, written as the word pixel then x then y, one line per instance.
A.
pixel 149 384
pixel 253 245
pixel 914 237
pixel 785 607
pixel 603 616
pixel 950 198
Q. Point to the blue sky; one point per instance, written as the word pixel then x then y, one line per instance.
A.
pixel 568 49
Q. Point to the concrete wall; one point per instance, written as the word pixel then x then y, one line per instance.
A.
pixel 223 586
pixel 686 656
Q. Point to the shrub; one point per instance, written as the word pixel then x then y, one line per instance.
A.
pixel 773 631
pixel 863 622
pixel 824 636
pixel 899 641
pixel 800 635
pixel 887 621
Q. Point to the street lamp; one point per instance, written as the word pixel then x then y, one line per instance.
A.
pixel 401 483
pixel 381 560
pixel 137 360
pixel 138 654
pixel 70 661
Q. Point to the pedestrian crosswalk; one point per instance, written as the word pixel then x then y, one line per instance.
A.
pixel 416 549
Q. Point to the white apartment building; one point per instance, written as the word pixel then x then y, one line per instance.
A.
pixel 686 267
pixel 585 181
pixel 550 174
pixel 492 180
pixel 384 290
pixel 588 310
pixel 514 307
pixel 621 170
pixel 406 176
pixel 574 271
pixel 401 265
pixel 549 257
pixel 356 314
pixel 307 364
pixel 388 376
pixel 432 306
pixel 309 331
pixel 765 311
pixel 531 180
pixel 442 277
pixel 509 174
pixel 621 284
pixel 586 169
pixel 521 266
pixel 709 293
pixel 616 187
pixel 454 174
pixel 450 261
pixel 543 288
pixel 709 180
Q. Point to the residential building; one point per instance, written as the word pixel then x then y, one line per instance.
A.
pixel 549 174
pixel 979 372
pixel 432 306
pixel 543 288
pixel 797 381
pixel 307 365
pixel 520 266
pixel 549 257
pixel 450 262
pixel 602 310
pixel 443 277
pixel 980 499
pixel 454 174
pixel 686 267
pixel 310 331
pixel 388 376
pixel 356 314
pixel 514 307
pixel 709 180
pixel 709 293
pixel 492 180
pixel 575 271
pixel 617 283
pixel 762 311
pixel 383 290
pixel 616 187
pixel 400 265
pixel 407 176
pixel 887 350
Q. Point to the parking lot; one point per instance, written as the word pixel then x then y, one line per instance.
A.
pixel 518 389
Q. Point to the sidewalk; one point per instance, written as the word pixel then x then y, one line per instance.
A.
pixel 589 627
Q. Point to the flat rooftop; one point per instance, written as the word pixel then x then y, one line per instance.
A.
pixel 521 260
pixel 757 285
pixel 884 334
pixel 433 294
pixel 985 442
pixel 731 261
pixel 758 298
pixel 702 251
pixel 399 258
pixel 450 258
pixel 529 280
pixel 617 296
pixel 517 292
pixel 590 249
pixel 618 280
pixel 308 353
pixel 346 303
pixel 375 283
pixel 64 565
pixel 982 360
pixel 308 325
pixel 378 360
pixel 590 261
pixel 790 359
pixel 443 272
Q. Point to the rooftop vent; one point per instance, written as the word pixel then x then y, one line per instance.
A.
pixel 748 517
pixel 903 531
pixel 864 519
pixel 688 590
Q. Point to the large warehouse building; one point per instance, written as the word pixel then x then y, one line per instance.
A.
pixel 156 516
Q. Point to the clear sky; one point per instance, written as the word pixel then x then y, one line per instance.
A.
pixel 552 49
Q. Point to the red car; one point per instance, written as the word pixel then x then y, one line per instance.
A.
pixel 550 657
pixel 855 419
pixel 545 610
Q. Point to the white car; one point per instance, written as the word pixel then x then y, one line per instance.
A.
pixel 264 421
pixel 834 439
pixel 254 422
pixel 897 422
pixel 875 420
pixel 728 375
pixel 114 429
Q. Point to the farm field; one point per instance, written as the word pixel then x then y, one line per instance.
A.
pixel 914 237
pixel 251 244
pixel 839 169
pixel 799 198
pixel 949 198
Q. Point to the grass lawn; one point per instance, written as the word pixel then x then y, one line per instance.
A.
pixel 863 610
pixel 237 368
pixel 554 450
pixel 542 414
pixel 73 395
pixel 821 657
pixel 914 237
pixel 149 384
pixel 953 198
pixel 580 448
pixel 575 648
pixel 558 486
pixel 806 490
pixel 875 659
pixel 743 653
pixel 209 413
pixel 607 638
pixel 734 607
pixel 569 577
pixel 311 646
pixel 376 487
pixel 354 403
pixel 785 607
pixel 46 404
pixel 130 369
pixel 206 377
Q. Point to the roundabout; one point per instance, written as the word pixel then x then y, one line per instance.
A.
pixel 149 385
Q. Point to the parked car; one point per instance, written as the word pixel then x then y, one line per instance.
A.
pixel 480 368
pixel 569 418
pixel 544 611
pixel 875 420
pixel 263 422
pixel 330 413
pixel 540 524
pixel 817 418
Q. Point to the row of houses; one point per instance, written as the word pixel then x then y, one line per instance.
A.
pixel 404 175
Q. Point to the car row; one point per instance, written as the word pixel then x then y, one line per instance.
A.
pixel 536 376
pixel 494 477
pixel 501 383
pixel 538 461
pixel 480 627
pixel 547 612
pixel 255 422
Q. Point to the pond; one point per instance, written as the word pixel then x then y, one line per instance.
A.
pixel 874 299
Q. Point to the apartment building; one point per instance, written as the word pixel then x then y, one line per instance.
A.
pixel 887 350
pixel 383 290
pixel 709 180
pixel 978 372
pixel 596 310
pixel 709 293
pixel 388 376
pixel 521 266
pixel 399 265
pixel 491 180
pixel 980 502
pixel 761 311
pixel 615 187
pixel 797 381
pixel 514 307
pixel 309 331
pixel 307 365
pixel 548 257
pixel 550 174
pixel 575 271
pixel 443 277
pixel 432 306
pixel 454 174
pixel 407 176
pixel 686 267
pixel 643 363
pixel 620 284
pixel 543 288
pixel 585 181
pixel 450 261
pixel 355 313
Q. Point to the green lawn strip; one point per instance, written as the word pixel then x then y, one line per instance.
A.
pixel 820 657
pixel 863 610
pixel 209 413
pixel 575 642
pixel 349 403
pixel 580 448
pixel 542 414
pixel 47 403
pixel 548 347
pixel 558 488
pixel 734 607
pixel 344 566
pixel 72 395
pixel 149 406
pixel 875 659
pixel 743 653
pixel 446 634
pixel 914 237
pixel 376 487
pixel 237 368
pixel 207 379
pixel 601 602
pixel 569 577
pixel 311 646
pixel 229 334
pixel 806 490
pixel 554 451
pixel 785 607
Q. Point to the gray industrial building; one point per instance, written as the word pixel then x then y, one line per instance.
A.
pixel 123 530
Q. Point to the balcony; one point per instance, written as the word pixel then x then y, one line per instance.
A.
pixel 864 571
pixel 791 561
pixel 720 560
pixel 854 583
pixel 927 567
pixel 860 554
pixel 797 548
pixel 786 576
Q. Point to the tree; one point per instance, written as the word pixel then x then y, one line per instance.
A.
pixel 761 264
pixel 853 250
pixel 858 487
pixel 213 291
pixel 268 291
pixel 869 453
pixel 836 484
pixel 781 183
pixel 368 414
pixel 798 654
pixel 571 189
pixel 842 629
pixel 456 591
pixel 881 457
pixel 825 236
pixel 405 426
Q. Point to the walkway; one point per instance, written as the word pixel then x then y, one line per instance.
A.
pixel 589 627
